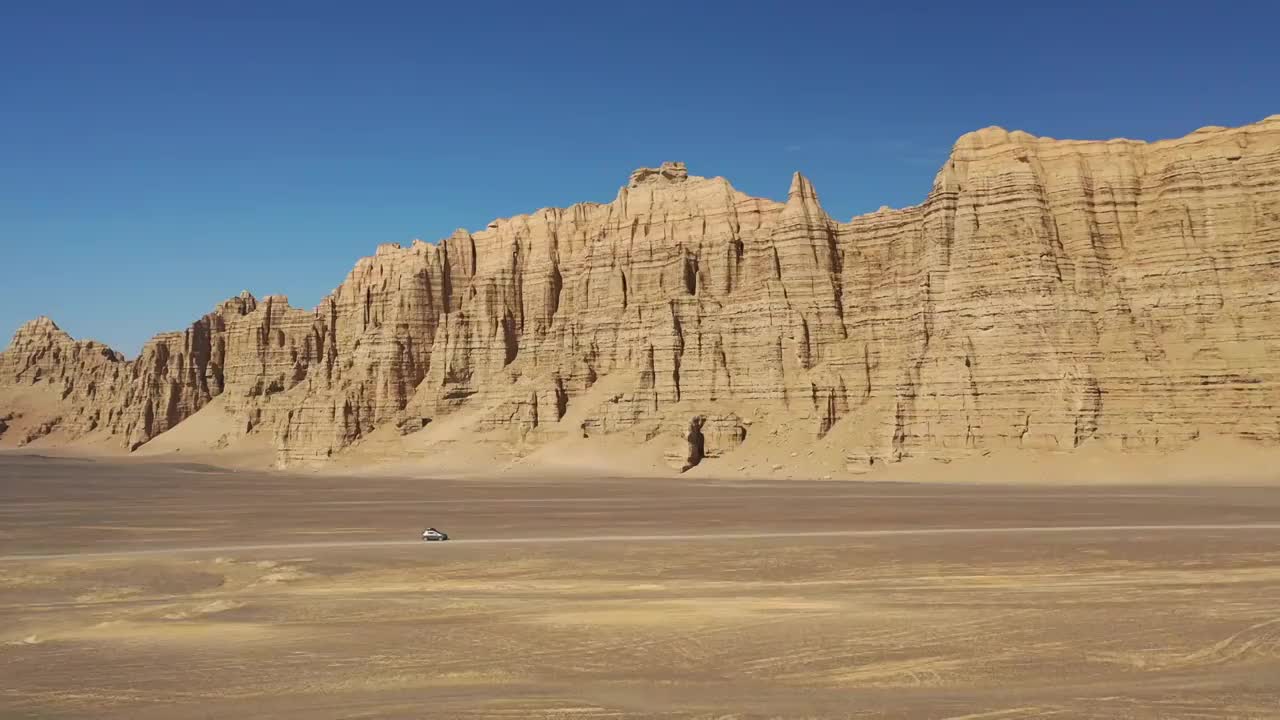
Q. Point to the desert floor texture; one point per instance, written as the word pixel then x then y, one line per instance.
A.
pixel 149 590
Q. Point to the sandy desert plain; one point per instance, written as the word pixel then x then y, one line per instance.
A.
pixel 166 590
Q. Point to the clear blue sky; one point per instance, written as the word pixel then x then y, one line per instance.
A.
pixel 156 157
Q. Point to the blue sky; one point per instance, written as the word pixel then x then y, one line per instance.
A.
pixel 156 157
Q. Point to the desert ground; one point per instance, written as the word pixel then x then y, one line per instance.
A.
pixel 167 590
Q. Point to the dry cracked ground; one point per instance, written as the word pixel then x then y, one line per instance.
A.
pixel 167 591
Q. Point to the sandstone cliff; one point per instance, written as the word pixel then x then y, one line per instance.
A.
pixel 1046 294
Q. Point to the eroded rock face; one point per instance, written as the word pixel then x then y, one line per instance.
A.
pixel 1046 294
pixel 174 375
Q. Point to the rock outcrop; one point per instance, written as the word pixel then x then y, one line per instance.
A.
pixel 703 438
pixel 1046 294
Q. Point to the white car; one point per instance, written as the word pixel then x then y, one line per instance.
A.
pixel 431 534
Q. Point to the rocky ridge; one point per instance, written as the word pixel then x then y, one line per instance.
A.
pixel 1046 294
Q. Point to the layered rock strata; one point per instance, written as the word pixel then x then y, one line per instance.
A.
pixel 1046 294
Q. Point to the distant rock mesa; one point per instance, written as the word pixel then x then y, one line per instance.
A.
pixel 1047 294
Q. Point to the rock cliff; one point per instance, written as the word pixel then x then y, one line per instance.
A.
pixel 1046 294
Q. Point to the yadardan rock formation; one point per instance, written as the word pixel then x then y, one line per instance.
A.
pixel 1046 294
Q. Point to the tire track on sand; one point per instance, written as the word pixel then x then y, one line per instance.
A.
pixel 653 538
